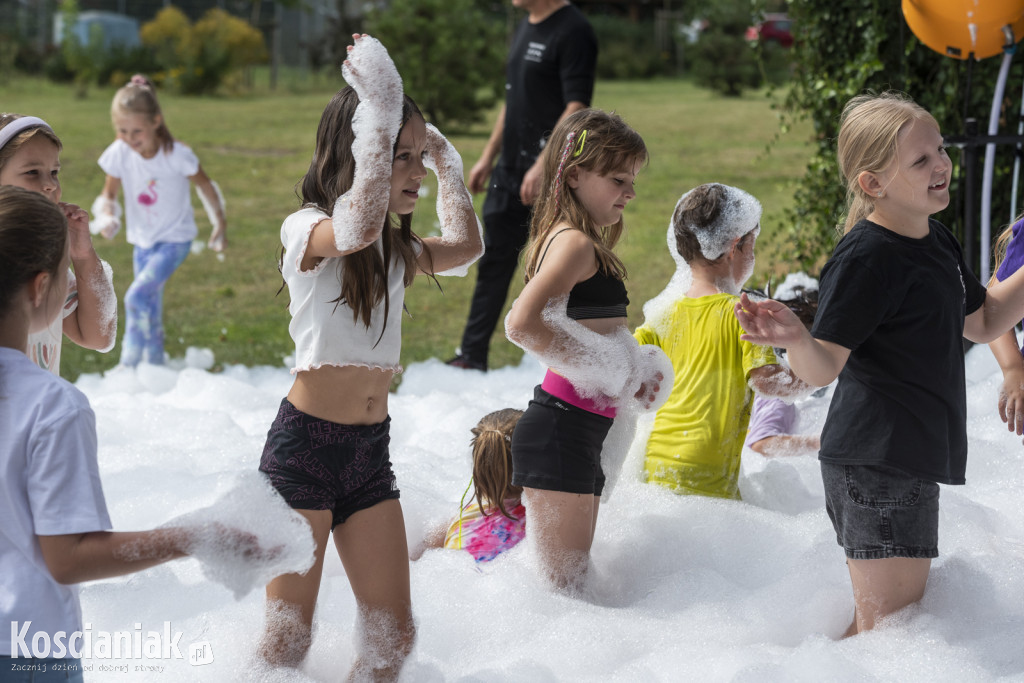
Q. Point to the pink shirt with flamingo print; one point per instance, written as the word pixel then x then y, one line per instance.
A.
pixel 157 200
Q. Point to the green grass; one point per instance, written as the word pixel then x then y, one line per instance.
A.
pixel 258 146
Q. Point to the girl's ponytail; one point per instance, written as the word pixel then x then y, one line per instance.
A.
pixel 492 460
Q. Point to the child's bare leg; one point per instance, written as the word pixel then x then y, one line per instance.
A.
pixel 561 528
pixel 373 548
pixel 883 587
pixel 291 600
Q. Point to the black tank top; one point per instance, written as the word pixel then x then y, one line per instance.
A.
pixel 599 296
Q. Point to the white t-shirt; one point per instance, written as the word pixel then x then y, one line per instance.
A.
pixel 49 485
pixel 157 203
pixel 44 346
pixel 325 332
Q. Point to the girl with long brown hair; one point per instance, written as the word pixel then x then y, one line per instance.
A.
pixel 349 254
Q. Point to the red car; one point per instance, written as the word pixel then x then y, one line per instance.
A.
pixel 775 27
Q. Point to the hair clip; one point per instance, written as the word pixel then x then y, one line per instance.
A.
pixel 579 147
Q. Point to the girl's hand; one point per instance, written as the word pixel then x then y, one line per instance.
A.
pixel 1011 401
pixel 218 240
pixel 768 322
pixel 370 71
pixel 654 366
pixel 80 241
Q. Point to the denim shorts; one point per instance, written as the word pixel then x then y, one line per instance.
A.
pixel 556 446
pixel 319 465
pixel 881 512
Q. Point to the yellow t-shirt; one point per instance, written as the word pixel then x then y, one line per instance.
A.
pixel 698 434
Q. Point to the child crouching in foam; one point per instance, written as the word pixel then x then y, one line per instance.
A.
pixel 698 434
pixel 494 519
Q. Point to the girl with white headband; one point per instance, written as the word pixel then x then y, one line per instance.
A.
pixel 697 438
pixel 30 158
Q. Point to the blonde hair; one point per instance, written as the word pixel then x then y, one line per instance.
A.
pixel 138 98
pixel 14 144
pixel 868 135
pixel 492 460
pixel 595 141
pixel 999 247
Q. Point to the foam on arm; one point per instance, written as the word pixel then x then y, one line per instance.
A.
pixel 359 214
pixel 459 224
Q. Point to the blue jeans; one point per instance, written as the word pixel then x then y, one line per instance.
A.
pixel 144 301
pixel 32 670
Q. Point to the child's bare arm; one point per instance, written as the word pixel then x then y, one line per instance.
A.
pixel 1011 394
pixel 434 538
pixel 787 444
pixel 213 203
pixel 778 381
pixel 73 558
pixel 769 322
pixel 93 324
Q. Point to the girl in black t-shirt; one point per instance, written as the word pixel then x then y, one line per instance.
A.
pixel 895 300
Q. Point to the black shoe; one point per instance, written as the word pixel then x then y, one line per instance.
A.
pixel 465 363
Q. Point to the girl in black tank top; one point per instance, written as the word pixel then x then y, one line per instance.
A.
pixel 572 316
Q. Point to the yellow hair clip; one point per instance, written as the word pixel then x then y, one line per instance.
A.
pixel 579 146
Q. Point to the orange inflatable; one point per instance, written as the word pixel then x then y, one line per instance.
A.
pixel 960 28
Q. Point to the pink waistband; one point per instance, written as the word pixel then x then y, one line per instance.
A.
pixel 560 387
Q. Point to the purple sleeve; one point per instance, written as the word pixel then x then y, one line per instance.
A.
pixel 1014 258
pixel 770 417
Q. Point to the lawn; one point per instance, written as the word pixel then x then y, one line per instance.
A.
pixel 258 146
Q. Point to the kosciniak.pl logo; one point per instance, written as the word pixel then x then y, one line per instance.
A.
pixel 89 644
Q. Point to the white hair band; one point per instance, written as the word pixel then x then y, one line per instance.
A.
pixel 18 125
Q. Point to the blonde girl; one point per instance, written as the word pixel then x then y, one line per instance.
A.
pixel 155 171
pixel 349 253
pixel 895 300
pixel 494 519
pixel 1009 250
pixel 572 315
pixel 30 158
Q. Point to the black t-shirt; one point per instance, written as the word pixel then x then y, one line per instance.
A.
pixel 898 304
pixel 550 64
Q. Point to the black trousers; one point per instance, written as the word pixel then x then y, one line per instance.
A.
pixel 506 229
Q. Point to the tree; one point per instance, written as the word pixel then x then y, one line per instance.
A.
pixel 844 49
pixel 450 54
pixel 722 59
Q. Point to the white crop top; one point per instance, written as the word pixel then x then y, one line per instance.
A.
pixel 324 331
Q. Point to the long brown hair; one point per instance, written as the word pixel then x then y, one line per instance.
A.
pixel 602 143
pixel 363 274
pixel 868 134
pixel 33 234
pixel 138 97
pixel 492 460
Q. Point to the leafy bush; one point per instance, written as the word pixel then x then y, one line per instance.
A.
pixel 844 49
pixel 450 54
pixel 200 58
pixel 626 49
pixel 722 58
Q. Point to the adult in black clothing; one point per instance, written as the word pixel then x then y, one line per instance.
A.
pixel 549 75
